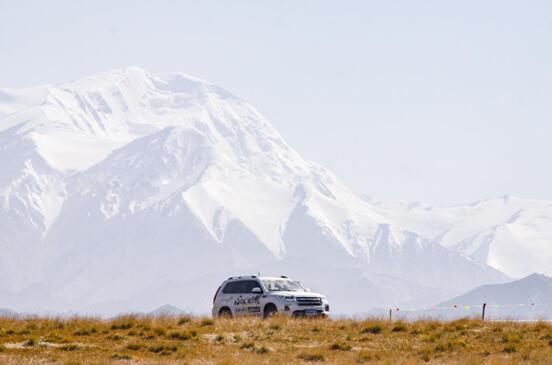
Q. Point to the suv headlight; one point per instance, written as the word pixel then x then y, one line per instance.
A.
pixel 288 297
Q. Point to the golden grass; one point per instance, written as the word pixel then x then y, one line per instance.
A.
pixel 164 340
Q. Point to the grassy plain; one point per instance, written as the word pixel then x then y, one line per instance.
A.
pixel 187 340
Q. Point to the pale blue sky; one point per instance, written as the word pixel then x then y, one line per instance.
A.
pixel 442 101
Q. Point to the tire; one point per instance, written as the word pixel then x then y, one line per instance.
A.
pixel 225 312
pixel 270 310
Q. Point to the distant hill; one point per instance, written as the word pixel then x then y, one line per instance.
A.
pixel 167 310
pixel 527 298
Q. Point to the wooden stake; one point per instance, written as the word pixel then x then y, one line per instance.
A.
pixel 483 313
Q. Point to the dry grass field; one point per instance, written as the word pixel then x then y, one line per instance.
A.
pixel 185 340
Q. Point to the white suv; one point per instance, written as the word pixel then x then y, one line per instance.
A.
pixel 266 296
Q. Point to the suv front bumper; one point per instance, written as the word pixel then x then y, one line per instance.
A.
pixel 295 310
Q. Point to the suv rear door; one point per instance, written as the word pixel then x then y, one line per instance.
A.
pixel 227 294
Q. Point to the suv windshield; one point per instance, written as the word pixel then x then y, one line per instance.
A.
pixel 282 285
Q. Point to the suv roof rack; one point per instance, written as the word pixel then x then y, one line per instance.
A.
pixel 284 277
pixel 240 277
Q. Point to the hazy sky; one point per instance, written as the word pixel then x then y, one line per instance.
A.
pixel 442 101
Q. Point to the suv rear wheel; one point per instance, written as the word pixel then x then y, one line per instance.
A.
pixel 225 312
pixel 269 310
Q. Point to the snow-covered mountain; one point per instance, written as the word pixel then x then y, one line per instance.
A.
pixel 511 234
pixel 129 190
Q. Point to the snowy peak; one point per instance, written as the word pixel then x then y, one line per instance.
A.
pixel 77 124
pixel 91 117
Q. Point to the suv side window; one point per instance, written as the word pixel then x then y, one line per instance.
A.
pixel 241 287
pixel 250 284
pixel 232 287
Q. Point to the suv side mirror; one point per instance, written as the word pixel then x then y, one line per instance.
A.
pixel 256 290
